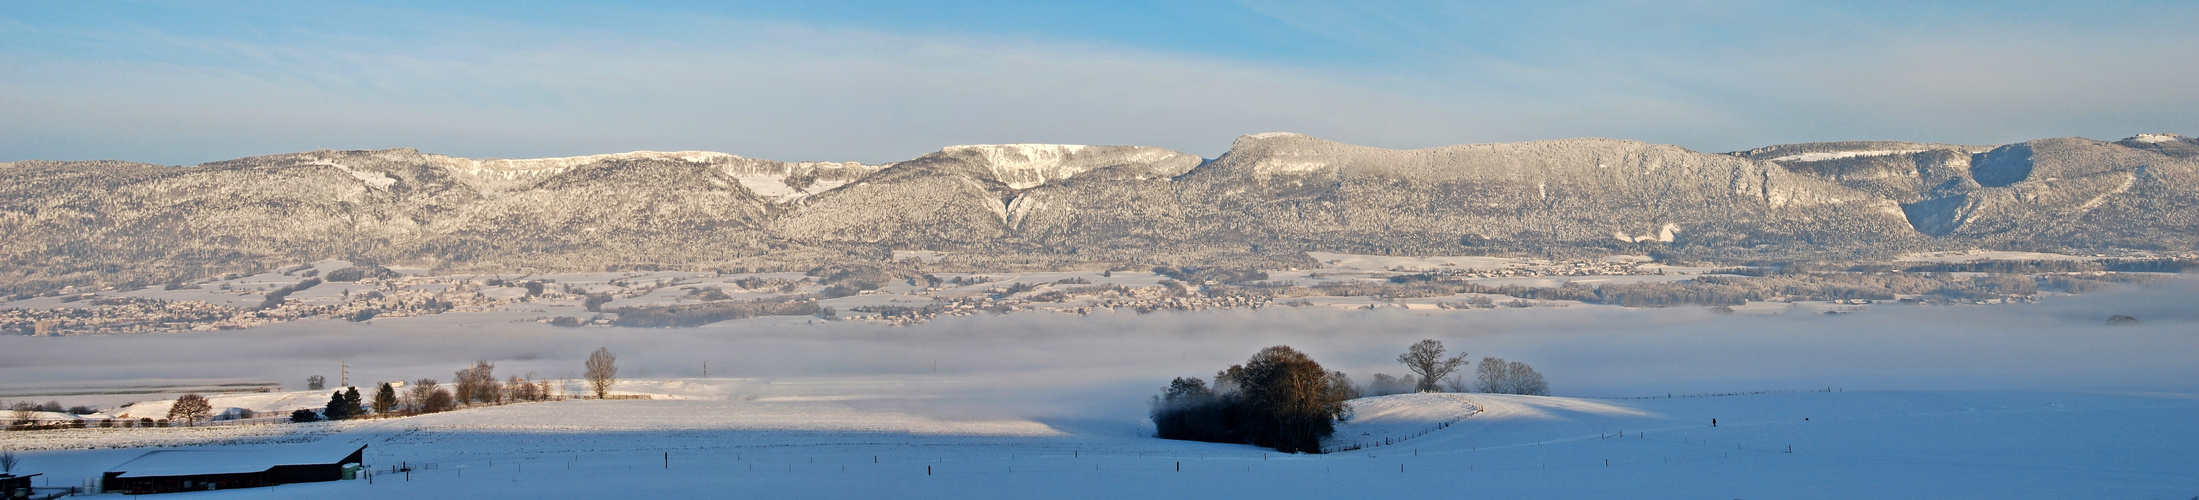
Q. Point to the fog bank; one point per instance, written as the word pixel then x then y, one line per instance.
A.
pixel 1056 366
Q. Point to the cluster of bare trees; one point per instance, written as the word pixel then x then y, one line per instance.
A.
pixel 1497 376
pixel 474 384
pixel 1284 400
pixel 1279 399
pixel 478 384
pixel 1432 372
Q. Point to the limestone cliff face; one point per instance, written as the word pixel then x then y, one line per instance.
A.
pixel 1269 197
pixel 2069 192
pixel 1592 193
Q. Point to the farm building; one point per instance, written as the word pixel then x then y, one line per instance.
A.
pixel 165 471
pixel 10 485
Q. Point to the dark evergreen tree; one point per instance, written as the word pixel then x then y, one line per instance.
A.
pixel 353 404
pixel 337 408
pixel 385 399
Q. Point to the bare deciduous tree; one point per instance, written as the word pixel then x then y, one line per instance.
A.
pixel 190 409
pixel 316 382
pixel 1498 376
pixel 439 400
pixel 1457 383
pixel 602 371
pixel 1426 360
pixel 8 461
pixel 477 383
pixel 1525 380
pixel 24 412
pixel 1490 376
pixel 417 394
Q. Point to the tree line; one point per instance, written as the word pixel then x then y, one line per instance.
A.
pixel 1280 398
pixel 476 384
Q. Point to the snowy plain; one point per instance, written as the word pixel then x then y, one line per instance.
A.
pixel 2041 400
pixel 1894 444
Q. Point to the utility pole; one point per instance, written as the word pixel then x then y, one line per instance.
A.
pixel 343 373
pixel 706 369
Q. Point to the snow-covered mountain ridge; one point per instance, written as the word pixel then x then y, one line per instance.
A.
pixel 1267 200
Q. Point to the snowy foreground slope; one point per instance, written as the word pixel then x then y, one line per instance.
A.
pixel 1844 445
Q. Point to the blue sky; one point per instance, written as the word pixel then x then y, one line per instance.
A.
pixel 183 83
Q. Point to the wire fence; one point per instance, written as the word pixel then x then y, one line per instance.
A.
pixel 1447 462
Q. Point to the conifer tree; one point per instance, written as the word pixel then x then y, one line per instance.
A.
pixel 353 404
pixel 385 399
pixel 337 409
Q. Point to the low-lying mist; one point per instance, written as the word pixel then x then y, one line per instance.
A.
pixel 1103 366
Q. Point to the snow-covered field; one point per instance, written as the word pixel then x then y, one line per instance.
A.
pixel 1927 444
pixel 2044 400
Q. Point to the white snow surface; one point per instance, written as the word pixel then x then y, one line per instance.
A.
pixel 1836 155
pixel 264 403
pixel 2156 138
pixel 1931 444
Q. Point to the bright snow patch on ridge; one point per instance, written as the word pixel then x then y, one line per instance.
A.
pixel 376 179
pixel 775 188
pixel 1025 166
pixel 1845 154
pixel 2156 138
pixel 537 166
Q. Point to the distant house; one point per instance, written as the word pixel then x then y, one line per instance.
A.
pixel 166 471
